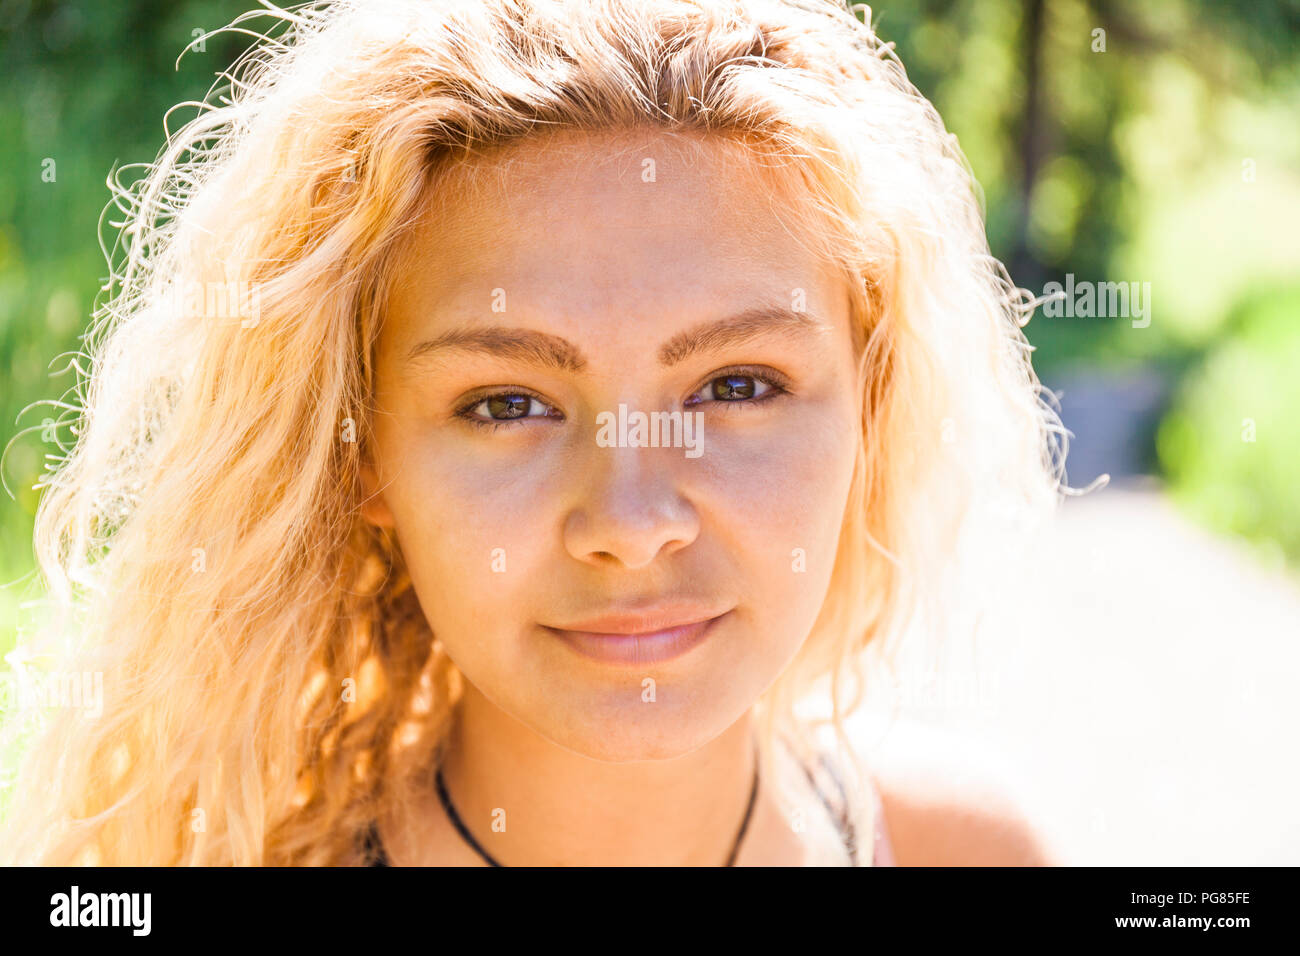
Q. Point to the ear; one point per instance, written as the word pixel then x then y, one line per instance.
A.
pixel 374 508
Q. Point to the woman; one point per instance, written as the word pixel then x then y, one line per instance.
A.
pixel 592 382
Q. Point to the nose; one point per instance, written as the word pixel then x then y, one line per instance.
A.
pixel 632 508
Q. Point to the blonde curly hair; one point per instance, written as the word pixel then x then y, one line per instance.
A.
pixel 228 440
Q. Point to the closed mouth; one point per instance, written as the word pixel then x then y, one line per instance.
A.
pixel 642 647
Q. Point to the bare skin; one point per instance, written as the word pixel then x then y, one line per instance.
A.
pixel 519 526
pixel 945 805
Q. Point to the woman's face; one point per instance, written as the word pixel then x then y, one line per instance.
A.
pixel 532 327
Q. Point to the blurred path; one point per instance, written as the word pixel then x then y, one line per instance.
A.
pixel 1147 696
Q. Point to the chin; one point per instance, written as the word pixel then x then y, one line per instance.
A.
pixel 651 731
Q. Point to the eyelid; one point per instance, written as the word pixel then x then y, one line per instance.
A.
pixel 779 382
pixel 463 409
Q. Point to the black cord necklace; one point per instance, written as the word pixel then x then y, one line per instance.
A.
pixel 474 845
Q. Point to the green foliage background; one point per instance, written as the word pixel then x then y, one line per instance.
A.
pixel 1171 156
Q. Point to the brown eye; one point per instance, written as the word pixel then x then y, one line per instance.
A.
pixel 738 387
pixel 506 407
pixel 732 387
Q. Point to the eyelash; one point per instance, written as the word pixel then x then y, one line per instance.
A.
pixel 464 411
pixel 778 385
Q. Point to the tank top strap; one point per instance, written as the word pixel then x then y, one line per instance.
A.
pixel 828 784
pixel 372 848
pixel 829 788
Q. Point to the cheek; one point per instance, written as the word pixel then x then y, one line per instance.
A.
pixel 778 495
pixel 473 527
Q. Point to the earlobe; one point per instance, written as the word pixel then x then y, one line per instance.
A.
pixel 373 507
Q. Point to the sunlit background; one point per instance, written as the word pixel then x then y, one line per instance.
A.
pixel 1145 697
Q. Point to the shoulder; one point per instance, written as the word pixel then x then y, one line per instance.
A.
pixel 946 803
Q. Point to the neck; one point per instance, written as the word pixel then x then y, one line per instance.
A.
pixel 554 807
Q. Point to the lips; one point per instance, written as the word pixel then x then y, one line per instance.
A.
pixel 649 636
pixel 645 620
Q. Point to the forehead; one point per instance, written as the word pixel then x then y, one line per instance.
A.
pixel 642 224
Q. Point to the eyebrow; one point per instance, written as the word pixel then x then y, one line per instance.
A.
pixel 553 352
